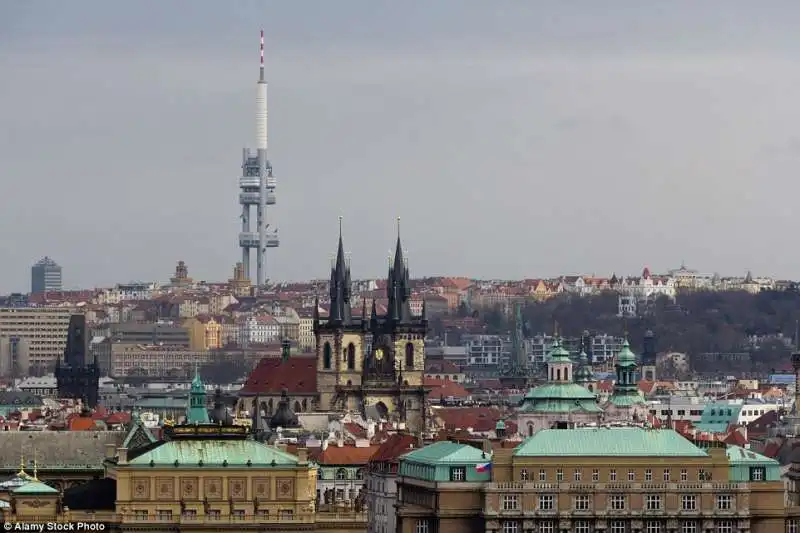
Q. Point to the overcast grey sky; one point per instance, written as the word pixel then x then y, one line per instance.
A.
pixel 514 138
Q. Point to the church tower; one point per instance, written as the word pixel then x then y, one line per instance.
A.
pixel 649 356
pixel 394 368
pixel 197 413
pixel 339 340
pixel 373 363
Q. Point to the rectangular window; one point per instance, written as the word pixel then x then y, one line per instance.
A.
pixel 547 526
pixel 559 475
pixel 213 514
pixel 164 515
pixel 689 527
pixel 792 526
pixel 631 475
pixel 140 515
pixel 546 502
pixel 689 502
pixel 724 502
pixel 422 527
pixel 510 527
pixel 238 514
pixel 758 473
pixel 648 475
pixel 724 526
pixel 612 476
pixel 542 475
pixel 653 502
pixel 286 514
pixel 458 473
pixel 666 474
pixel 582 502
pixel 617 526
pixel 653 527
pixel 583 526
pixel 190 513
pixel 595 475
pixel 576 475
pixel 684 475
pixel 510 502
pixel 618 502
pixel 523 475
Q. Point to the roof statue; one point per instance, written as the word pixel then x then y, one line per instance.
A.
pixel 284 417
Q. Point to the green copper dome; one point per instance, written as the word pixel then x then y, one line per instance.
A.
pixel 584 373
pixel 558 354
pixel 626 357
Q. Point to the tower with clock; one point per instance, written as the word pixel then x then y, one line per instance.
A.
pixel 375 363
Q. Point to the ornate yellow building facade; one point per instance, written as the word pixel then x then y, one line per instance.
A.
pixel 203 476
pixel 372 361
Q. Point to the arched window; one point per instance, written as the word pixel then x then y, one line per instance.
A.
pixel 341 474
pixel 305 405
pixel 409 356
pixel 351 356
pixel 319 476
pixel 296 407
pixel 360 473
pixel 566 374
pixel 530 430
pixel 326 356
pixel 558 374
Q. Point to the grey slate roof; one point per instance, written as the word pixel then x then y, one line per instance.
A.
pixel 56 449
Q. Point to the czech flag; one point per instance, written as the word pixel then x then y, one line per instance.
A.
pixel 485 467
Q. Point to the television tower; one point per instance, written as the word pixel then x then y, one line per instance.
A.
pixel 257 188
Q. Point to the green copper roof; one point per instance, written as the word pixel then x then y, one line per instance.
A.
pixel 584 373
pixel 559 398
pixel 436 462
pixel 447 452
pixel 608 442
pixel 717 417
pixel 558 354
pixel 627 400
pixel 213 453
pixel 626 357
pixel 500 425
pixel 197 412
pixel 743 464
pixel 35 487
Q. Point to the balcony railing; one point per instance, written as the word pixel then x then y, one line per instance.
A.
pixel 198 519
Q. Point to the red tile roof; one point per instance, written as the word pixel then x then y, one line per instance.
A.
pixel 480 419
pixel 344 455
pixel 394 447
pixel 442 388
pixel 298 375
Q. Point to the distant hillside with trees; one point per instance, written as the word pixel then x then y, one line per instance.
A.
pixel 695 323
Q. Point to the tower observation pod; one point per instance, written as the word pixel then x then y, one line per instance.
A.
pixel 257 189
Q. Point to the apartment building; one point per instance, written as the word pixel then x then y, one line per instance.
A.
pixel 42 329
pixel 610 480
pixel 156 361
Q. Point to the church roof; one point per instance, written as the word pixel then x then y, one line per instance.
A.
pixel 558 354
pixel 215 453
pixel 560 398
pixel 627 400
pixel 297 374
pixel 626 357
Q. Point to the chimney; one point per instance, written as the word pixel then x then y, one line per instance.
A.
pixel 122 456
pixel 111 451
pixel 340 442
pixel 302 456
pixel 370 429
pixel 324 445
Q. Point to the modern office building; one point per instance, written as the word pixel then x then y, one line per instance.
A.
pixel 45 276
pixel 42 331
